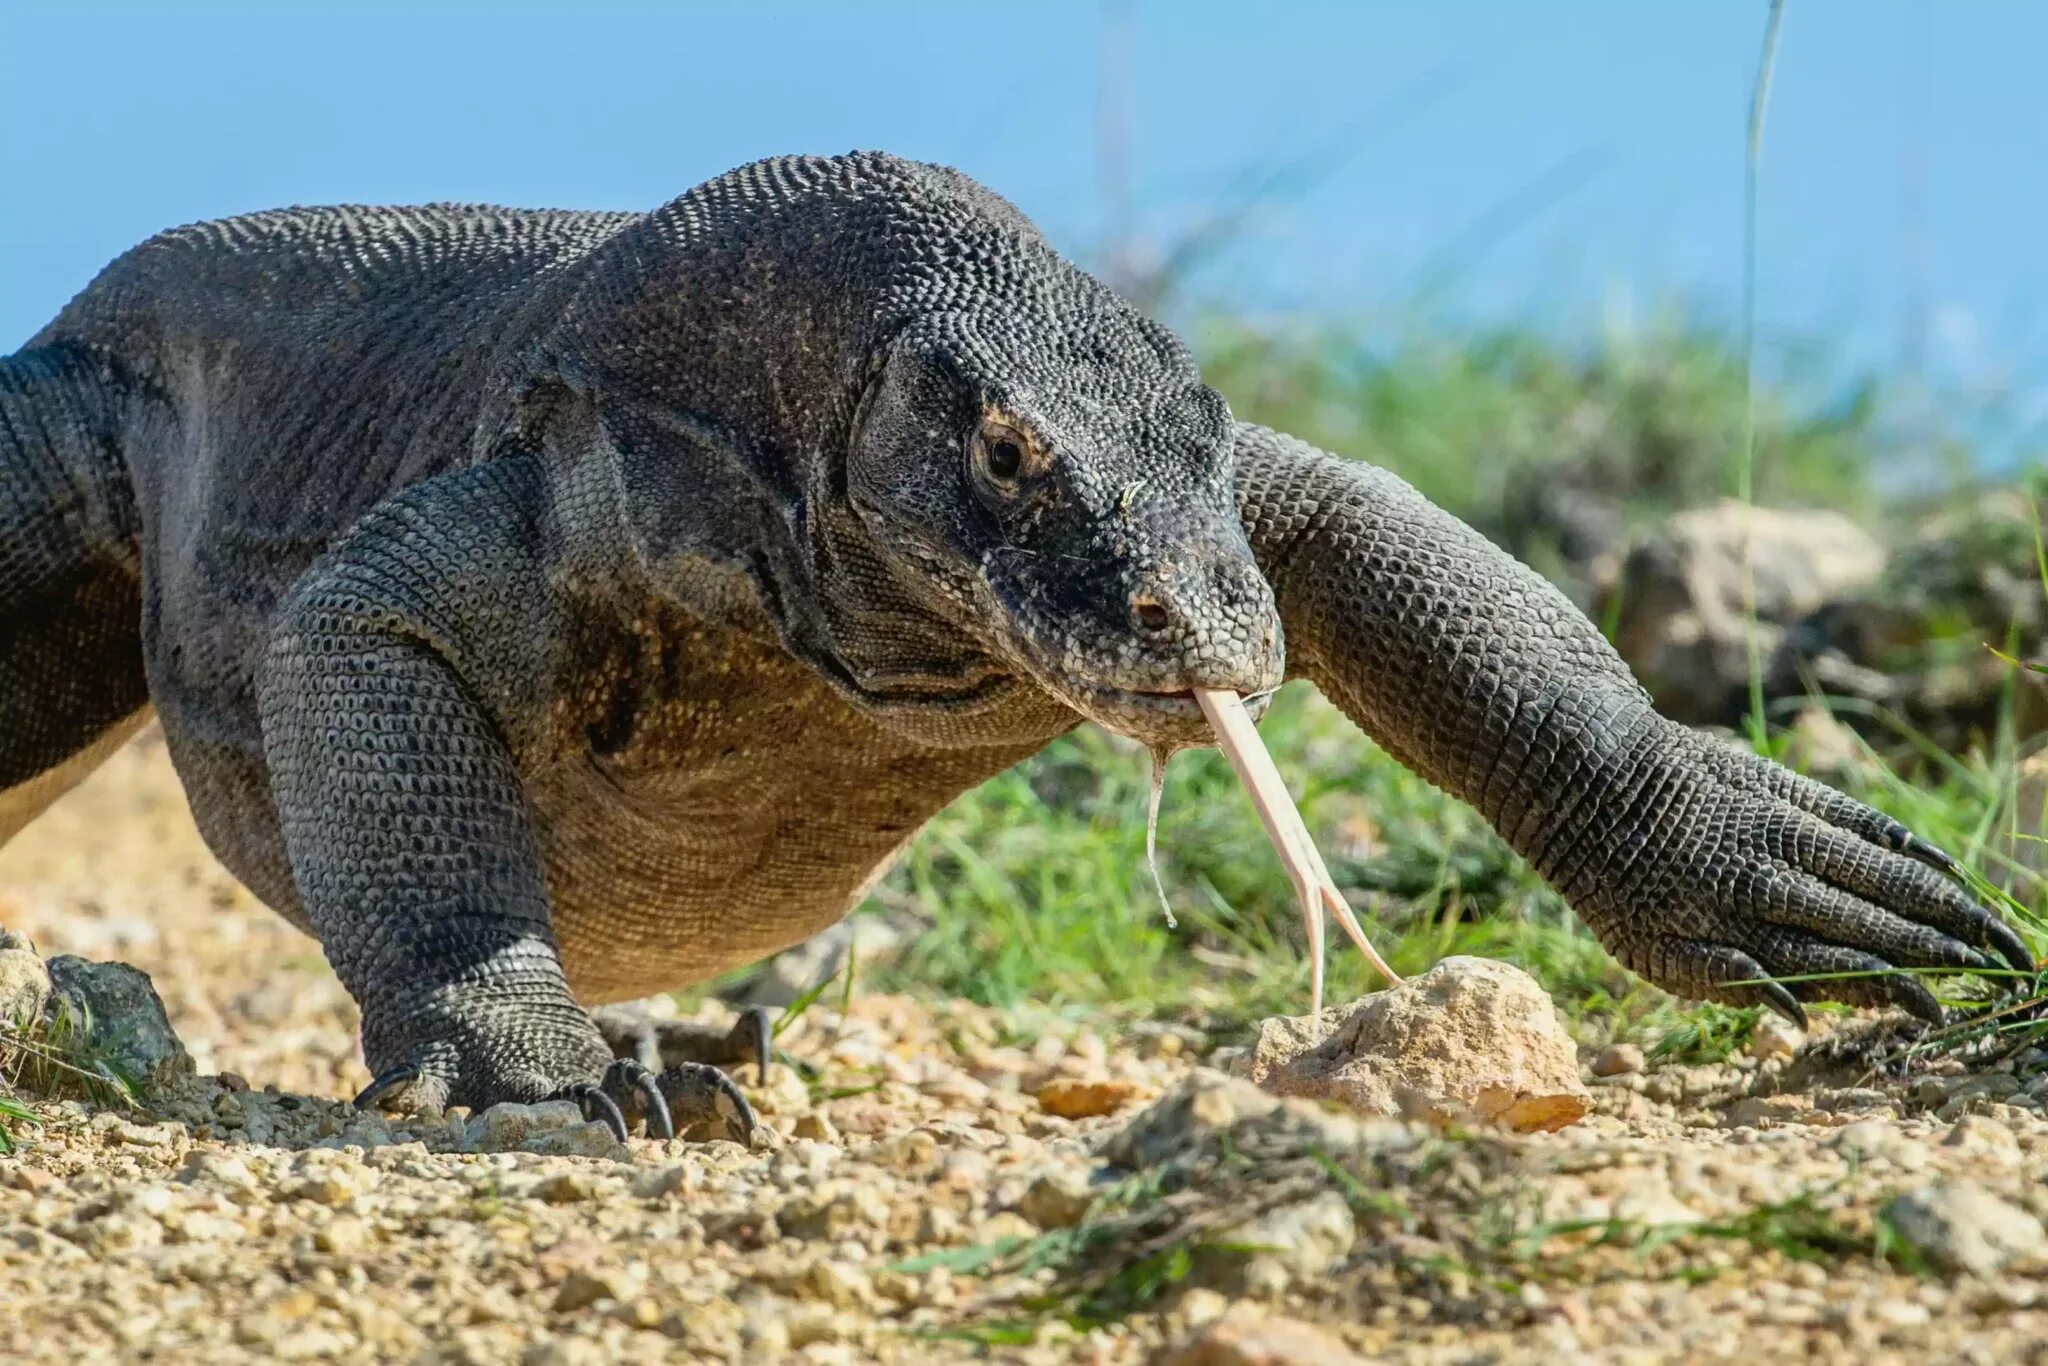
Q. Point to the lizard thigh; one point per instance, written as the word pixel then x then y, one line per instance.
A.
pixel 71 679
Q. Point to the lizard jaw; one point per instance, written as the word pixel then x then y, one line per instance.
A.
pixel 1151 716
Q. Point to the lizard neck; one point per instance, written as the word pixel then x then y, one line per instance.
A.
pixel 674 510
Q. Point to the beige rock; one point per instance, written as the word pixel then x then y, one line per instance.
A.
pixel 814 1125
pixel 1978 1131
pixel 1267 1254
pixel 569 1188
pixel 1005 1227
pixel 1686 590
pixel 1057 1198
pixel 1772 1037
pixel 24 981
pixel 343 1235
pixel 1469 1041
pixel 1244 1337
pixel 841 1284
pixel 506 1127
pixel 1617 1060
pixel 592 1139
pixel 584 1287
pixel 1959 1226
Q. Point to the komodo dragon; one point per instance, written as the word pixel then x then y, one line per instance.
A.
pixel 549 608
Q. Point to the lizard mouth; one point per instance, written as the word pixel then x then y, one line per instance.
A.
pixel 1153 715
pixel 1175 702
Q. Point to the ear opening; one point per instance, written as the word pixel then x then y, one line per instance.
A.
pixel 873 377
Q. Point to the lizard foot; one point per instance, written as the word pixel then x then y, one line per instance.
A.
pixel 1756 886
pixel 706 1103
pixel 438 1074
pixel 626 1087
pixel 630 1032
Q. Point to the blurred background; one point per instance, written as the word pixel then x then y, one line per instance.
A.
pixel 1498 247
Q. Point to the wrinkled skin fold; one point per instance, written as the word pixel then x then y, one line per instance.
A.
pixel 545 609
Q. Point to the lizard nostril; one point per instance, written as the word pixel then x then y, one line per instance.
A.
pixel 1150 614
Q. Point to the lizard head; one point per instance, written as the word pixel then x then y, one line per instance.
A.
pixel 1050 468
pixel 977 469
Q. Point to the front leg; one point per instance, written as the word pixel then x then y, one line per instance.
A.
pixel 1699 867
pixel 390 666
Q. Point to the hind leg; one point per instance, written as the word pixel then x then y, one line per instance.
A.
pixel 71 681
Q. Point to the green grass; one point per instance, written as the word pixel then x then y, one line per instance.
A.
pixel 53 1056
pixel 12 1112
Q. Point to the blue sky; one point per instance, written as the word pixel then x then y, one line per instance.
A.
pixel 1563 163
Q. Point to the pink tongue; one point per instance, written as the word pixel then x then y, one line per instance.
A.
pixel 1161 755
pixel 1240 742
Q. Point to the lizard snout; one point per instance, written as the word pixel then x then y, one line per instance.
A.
pixel 1207 621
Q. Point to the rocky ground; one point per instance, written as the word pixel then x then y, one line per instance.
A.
pixel 951 1183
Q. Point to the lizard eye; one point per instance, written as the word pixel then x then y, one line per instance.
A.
pixel 1005 458
pixel 1002 456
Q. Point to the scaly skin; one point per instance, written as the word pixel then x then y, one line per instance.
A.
pixel 551 608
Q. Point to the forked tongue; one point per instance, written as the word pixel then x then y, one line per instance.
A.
pixel 1161 755
pixel 1239 740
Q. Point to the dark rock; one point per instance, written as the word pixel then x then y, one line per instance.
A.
pixel 125 1027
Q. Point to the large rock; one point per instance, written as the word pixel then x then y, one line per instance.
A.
pixel 1960 1227
pixel 1907 639
pixel 555 1127
pixel 2027 840
pixel 1680 605
pixel 1267 1254
pixel 1245 1337
pixel 1470 1041
pixel 125 1028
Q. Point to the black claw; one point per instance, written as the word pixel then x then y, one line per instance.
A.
pixel 628 1075
pixel 1971 960
pixel 1935 857
pixel 1778 998
pixel 2009 945
pixel 1916 1000
pixel 597 1105
pixel 743 1112
pixel 758 1033
pixel 405 1074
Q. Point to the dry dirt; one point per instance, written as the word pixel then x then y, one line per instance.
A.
pixel 1153 1209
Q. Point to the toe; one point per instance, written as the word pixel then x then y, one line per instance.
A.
pixel 753 1039
pixel 632 1085
pixel 1715 972
pixel 1836 973
pixel 702 1098
pixel 597 1106
pixel 397 1085
pixel 1897 888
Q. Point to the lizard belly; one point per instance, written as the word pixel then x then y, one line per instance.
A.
pixel 730 827
pixel 651 899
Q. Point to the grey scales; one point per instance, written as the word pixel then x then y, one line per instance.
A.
pixel 546 609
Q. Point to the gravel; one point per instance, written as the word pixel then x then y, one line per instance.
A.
pixel 956 1172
